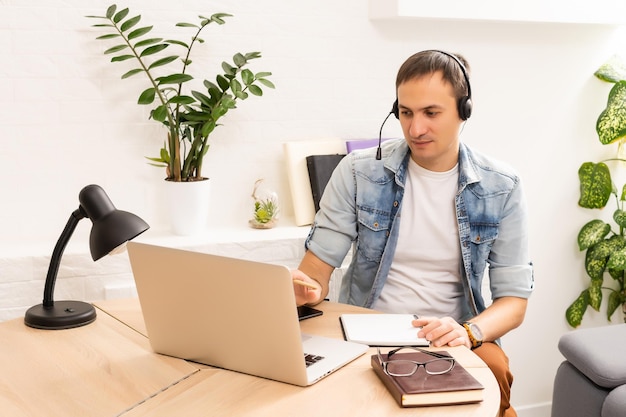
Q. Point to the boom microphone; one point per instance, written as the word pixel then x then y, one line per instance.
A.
pixel 380 136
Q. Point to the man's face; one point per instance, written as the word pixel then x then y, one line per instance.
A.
pixel 430 121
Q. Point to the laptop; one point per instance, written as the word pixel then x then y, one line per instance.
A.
pixel 230 313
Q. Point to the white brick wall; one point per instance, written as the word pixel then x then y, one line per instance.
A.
pixel 67 120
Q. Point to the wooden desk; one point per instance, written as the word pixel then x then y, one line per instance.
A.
pixel 107 368
pixel 352 391
pixel 97 370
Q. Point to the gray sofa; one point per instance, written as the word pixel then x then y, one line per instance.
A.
pixel 591 382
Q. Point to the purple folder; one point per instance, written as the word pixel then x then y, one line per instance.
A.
pixel 355 144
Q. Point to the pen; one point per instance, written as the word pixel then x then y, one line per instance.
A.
pixel 305 284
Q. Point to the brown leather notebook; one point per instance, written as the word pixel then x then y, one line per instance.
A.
pixel 421 389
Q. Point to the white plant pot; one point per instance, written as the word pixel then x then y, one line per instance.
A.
pixel 188 206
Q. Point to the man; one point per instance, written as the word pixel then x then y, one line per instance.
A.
pixel 425 217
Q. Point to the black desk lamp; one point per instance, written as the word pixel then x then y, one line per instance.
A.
pixel 111 229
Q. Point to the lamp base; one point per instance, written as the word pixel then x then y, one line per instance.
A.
pixel 62 315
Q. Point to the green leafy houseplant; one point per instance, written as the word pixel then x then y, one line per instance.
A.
pixel 605 246
pixel 189 116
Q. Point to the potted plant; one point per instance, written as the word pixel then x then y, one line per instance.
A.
pixel 190 116
pixel 266 208
pixel 605 245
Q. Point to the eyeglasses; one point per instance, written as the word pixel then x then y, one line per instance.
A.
pixel 439 365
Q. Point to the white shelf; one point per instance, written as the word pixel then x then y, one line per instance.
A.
pixel 605 12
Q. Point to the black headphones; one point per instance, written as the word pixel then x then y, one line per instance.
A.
pixel 464 104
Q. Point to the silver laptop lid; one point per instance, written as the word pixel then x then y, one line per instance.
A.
pixel 224 312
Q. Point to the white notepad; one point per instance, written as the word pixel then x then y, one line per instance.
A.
pixel 381 329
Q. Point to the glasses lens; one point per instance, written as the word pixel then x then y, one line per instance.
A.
pixel 439 366
pixel 401 368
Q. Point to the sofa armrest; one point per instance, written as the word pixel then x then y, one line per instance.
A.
pixel 615 403
pixel 598 353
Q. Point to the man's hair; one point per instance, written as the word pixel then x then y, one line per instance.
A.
pixel 431 61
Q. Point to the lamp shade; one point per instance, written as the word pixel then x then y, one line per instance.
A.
pixel 111 227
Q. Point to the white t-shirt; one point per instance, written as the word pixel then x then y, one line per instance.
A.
pixel 424 278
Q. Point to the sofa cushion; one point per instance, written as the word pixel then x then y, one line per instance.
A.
pixel 598 353
pixel 615 403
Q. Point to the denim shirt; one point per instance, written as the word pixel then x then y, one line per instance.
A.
pixel 360 209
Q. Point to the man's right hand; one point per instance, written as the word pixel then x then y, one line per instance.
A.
pixel 306 294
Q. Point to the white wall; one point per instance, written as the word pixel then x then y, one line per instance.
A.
pixel 67 120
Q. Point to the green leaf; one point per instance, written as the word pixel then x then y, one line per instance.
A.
pixel 596 259
pixel 239 60
pixel 139 32
pixel 620 217
pixel 592 233
pixel 151 50
pixel 617 260
pixel 242 95
pixel 256 90
pixel 613 70
pixel 228 102
pixel 174 79
pixel 615 300
pixel 160 113
pixel 182 100
pixel 187 25
pixel 235 86
pixel 259 75
pixel 574 313
pixel 222 82
pixel 207 128
pixel 202 98
pixel 615 274
pixel 216 95
pixel 115 48
pixel 147 42
pixel 163 61
pixel 111 11
pixel 130 23
pixel 121 58
pixel 208 85
pixel 595 185
pixel 175 42
pixel 266 83
pixel 228 69
pixel 247 77
pixel 120 15
pixel 595 294
pixel 147 97
pixel 218 18
pixel 611 124
pixel 109 36
pixel 132 72
pixel 253 55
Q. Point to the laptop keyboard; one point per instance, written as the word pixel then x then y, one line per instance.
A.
pixel 311 359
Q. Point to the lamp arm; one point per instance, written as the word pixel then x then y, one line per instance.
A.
pixel 55 261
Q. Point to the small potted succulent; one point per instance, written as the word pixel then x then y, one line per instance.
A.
pixel 266 208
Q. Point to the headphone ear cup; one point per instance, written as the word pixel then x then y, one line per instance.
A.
pixel 465 108
pixel 395 110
